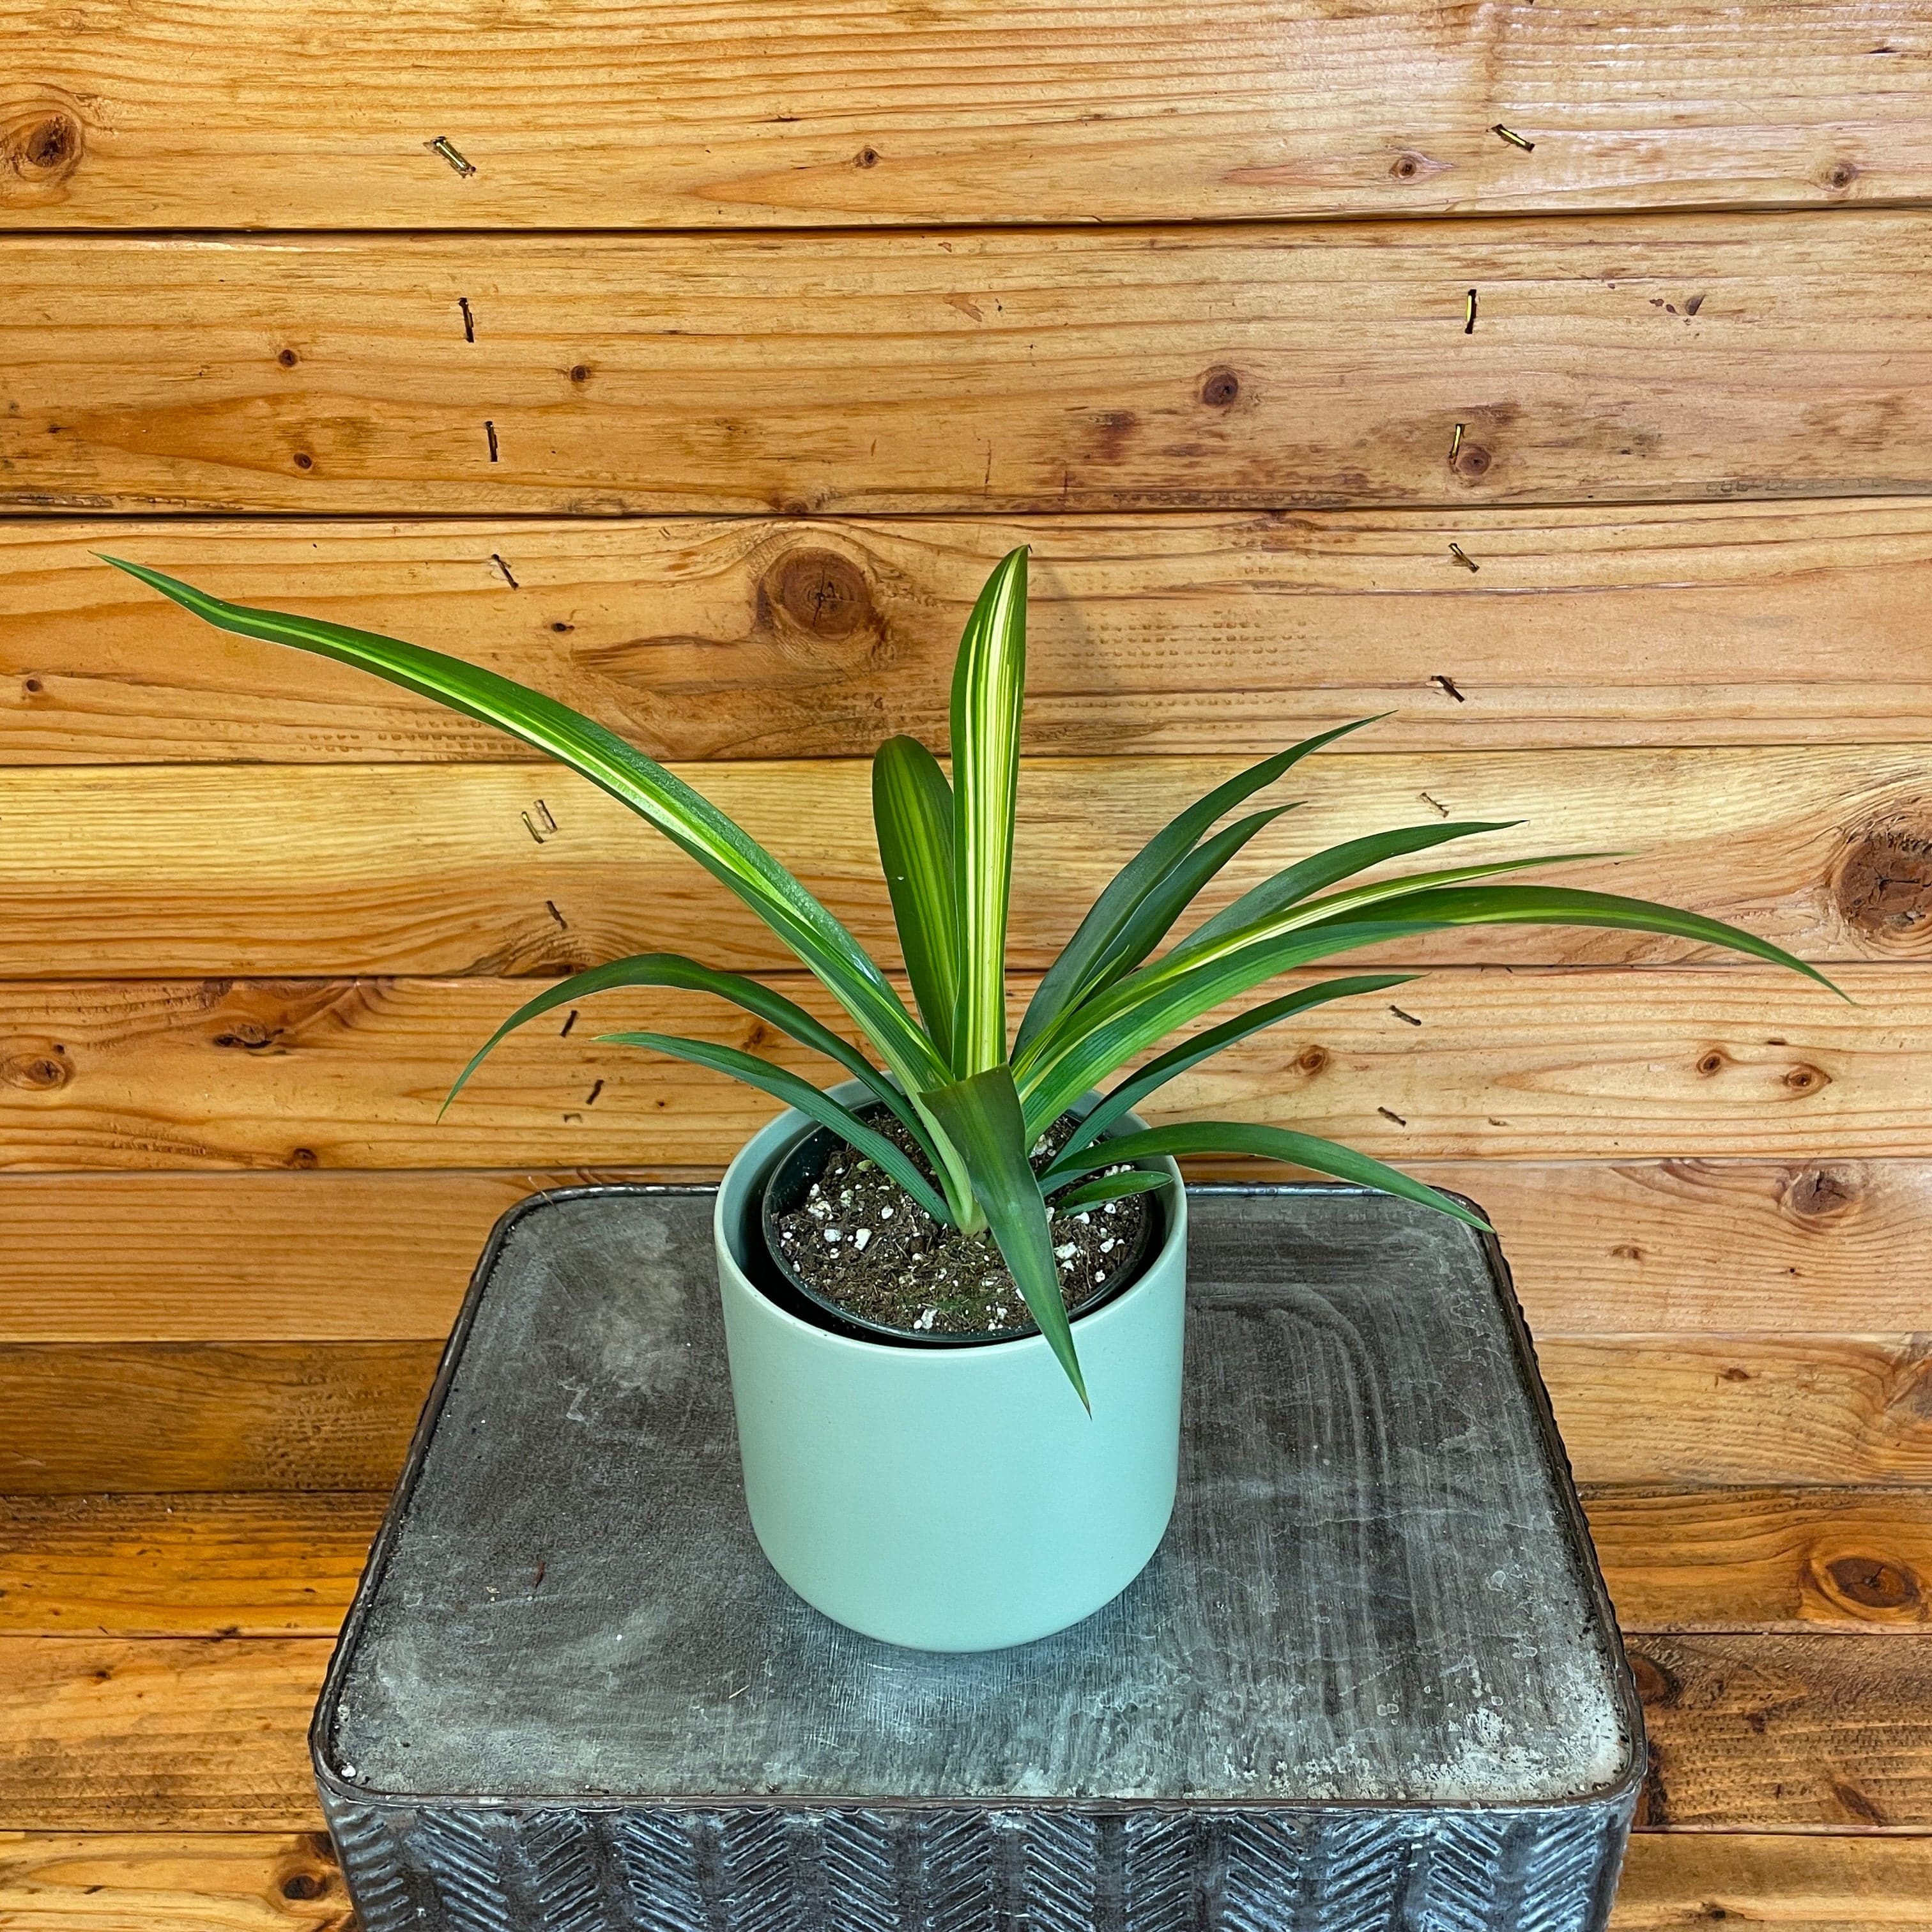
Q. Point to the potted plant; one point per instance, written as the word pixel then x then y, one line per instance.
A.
pixel 953 1284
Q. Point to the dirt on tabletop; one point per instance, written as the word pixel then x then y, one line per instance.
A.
pixel 860 1240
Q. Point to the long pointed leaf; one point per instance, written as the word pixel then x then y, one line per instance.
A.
pixel 674 969
pixel 802 1094
pixel 1131 1092
pixel 1322 869
pixel 988 686
pixel 1153 918
pixel 912 814
pixel 1082 1022
pixel 685 817
pixel 1570 905
pixel 1216 1137
pixel 1148 1006
pixel 982 1118
pixel 1070 973
pixel 1108 1187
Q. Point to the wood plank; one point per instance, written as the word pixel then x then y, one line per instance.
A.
pixel 1791 1881
pixel 1246 367
pixel 186 1565
pixel 1021 113
pixel 1684 1408
pixel 285 1564
pixel 1737 1247
pixel 156 870
pixel 1787 622
pixel 176 1881
pixel 100 1734
pixel 1787 1732
pixel 157 1416
pixel 1728 1559
pixel 136 1417
pixel 1757 1732
pixel 235 1882
pixel 1583 1063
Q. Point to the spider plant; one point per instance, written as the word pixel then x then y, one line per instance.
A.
pixel 972 1099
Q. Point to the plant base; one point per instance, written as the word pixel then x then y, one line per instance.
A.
pixel 952 1498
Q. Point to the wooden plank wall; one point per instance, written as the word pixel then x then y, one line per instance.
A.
pixel 753 334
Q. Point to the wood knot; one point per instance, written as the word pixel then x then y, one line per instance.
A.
pixel 1311 1060
pixel 1405 167
pixel 250 1035
pixel 866 157
pixel 1804 1079
pixel 303 460
pixel 580 372
pixel 1871 1582
pixel 42 147
pixel 287 357
pixel 1472 460
pixel 37 1073
pixel 1710 1061
pixel 304 1885
pixel 1656 1685
pixel 1821 1194
pixel 819 592
pixel 1220 388
pixel 303 1157
pixel 1839 177
pixel 1881 884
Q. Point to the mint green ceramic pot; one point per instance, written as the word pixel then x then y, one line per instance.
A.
pixel 952 1498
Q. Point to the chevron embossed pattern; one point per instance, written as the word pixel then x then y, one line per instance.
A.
pixel 378 1880
pixel 1264 1868
pixel 661 1873
pixel 557 1857
pixel 958 1857
pixel 1557 1877
pixel 859 1871
pixel 759 1882
pixel 1059 1871
pixel 465 1863
pixel 1462 1872
pixel 1158 1855
pixel 1355 1873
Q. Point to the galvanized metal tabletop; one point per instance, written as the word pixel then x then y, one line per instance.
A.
pixel 1371 1680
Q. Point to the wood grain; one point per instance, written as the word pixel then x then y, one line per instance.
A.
pixel 1752 1731
pixel 1582 1063
pixel 184 1564
pixel 1020 114
pixel 1790 1732
pixel 145 871
pixel 1737 1246
pixel 1243 367
pixel 1796 621
pixel 1718 1559
pixel 176 1881
pixel 237 1881
pixel 1596 1247
pixel 1791 1881
pixel 1683 1409
pixel 155 1417
pixel 285 1564
pixel 97 1734
pixel 133 1417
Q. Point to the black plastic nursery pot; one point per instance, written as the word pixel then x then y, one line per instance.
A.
pixel 784 1191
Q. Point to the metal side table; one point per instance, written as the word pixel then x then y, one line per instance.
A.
pixel 1370 1683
